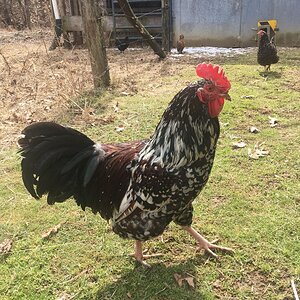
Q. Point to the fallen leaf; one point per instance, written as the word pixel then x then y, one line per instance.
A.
pixel 257 152
pixel 239 145
pixel 253 129
pixel 116 108
pixel 51 232
pixel 5 246
pixel 234 137
pixel 224 124
pixel 129 295
pixel 247 97
pixel 120 129
pixel 188 279
pixel 273 122
pixel 178 279
pixel 64 296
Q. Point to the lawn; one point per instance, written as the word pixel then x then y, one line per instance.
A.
pixel 249 204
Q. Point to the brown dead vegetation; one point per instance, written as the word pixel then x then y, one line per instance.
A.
pixel 38 85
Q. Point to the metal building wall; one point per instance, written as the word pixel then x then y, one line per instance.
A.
pixel 229 23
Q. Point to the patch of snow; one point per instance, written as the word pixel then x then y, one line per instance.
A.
pixel 212 51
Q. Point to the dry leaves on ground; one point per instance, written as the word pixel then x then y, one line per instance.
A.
pixel 5 246
pixel 239 145
pixel 120 129
pixel 253 129
pixel 190 280
pixel 52 231
pixel 273 122
pixel 258 151
pixel 247 97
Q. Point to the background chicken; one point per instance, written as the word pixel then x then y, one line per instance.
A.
pixel 267 52
pixel 140 186
pixel 122 45
pixel 180 44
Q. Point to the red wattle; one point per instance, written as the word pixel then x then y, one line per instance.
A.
pixel 215 107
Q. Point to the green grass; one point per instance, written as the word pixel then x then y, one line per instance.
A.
pixel 251 205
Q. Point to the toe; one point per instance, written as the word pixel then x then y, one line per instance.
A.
pixel 143 263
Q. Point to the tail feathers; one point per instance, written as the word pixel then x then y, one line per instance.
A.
pixel 92 156
pixel 57 160
pixel 48 129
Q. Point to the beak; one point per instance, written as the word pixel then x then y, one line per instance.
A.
pixel 226 96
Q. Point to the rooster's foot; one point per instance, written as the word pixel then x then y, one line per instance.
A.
pixel 204 244
pixel 140 255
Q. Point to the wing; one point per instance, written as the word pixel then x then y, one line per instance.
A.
pixel 109 183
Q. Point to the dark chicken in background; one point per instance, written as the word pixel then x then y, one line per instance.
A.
pixel 122 45
pixel 180 44
pixel 140 186
pixel 267 52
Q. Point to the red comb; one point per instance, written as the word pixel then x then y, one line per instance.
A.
pixel 215 74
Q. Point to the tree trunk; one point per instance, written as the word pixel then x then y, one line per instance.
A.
pixel 27 13
pixel 134 21
pixel 165 25
pixel 95 42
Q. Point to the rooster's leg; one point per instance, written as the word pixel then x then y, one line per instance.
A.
pixel 140 256
pixel 204 243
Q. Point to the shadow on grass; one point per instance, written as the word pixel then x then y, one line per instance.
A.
pixel 270 74
pixel 158 282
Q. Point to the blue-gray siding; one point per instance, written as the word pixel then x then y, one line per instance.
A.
pixel 229 23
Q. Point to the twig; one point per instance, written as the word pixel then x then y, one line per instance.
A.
pixel 6 62
pixel 162 290
pixel 24 67
pixel 36 90
pixel 77 105
pixel 294 289
pixel 85 271
pixel 46 49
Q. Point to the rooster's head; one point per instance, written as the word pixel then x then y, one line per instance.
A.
pixel 215 88
pixel 261 33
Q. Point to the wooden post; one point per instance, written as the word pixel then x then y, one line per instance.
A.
pixel 134 21
pixel 95 42
pixel 165 25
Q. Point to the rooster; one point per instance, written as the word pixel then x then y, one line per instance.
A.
pixel 180 44
pixel 267 52
pixel 140 186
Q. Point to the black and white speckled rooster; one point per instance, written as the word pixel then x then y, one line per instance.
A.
pixel 267 52
pixel 140 186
